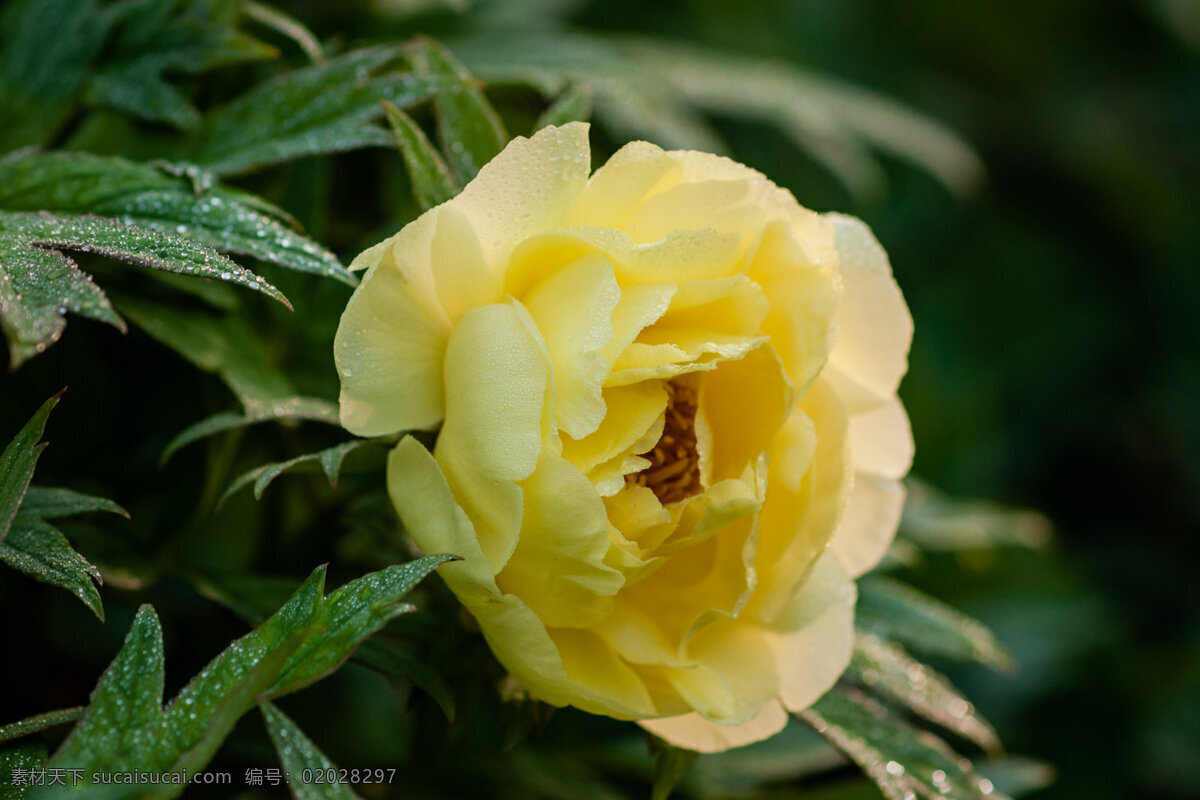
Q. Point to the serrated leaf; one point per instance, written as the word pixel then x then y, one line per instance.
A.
pixel 148 248
pixel 49 503
pixel 39 550
pixel 17 463
pixel 469 129
pixel 37 289
pixel 17 761
pixel 431 180
pixel 325 108
pixel 903 761
pixel 574 104
pixel 888 669
pixel 126 727
pixel 894 610
pixel 223 344
pixel 299 755
pixel 329 459
pixel 39 722
pixel 119 725
pixel 283 410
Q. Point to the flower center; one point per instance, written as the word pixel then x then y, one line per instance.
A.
pixel 674 471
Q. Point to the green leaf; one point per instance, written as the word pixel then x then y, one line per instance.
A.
pixel 469 128
pixel 329 459
pixel 904 762
pixel 17 463
pixel 140 194
pixel 574 104
pixel 894 610
pixel 223 344
pixel 47 503
pixel 431 179
pixel 37 288
pixel 149 248
pixel 397 660
pixel 325 108
pixel 39 722
pixel 291 409
pixel 287 25
pixel 120 725
pixel 38 549
pixel 126 727
pixel 886 668
pixel 671 764
pixel 298 754
pixel 17 761
pixel 935 522
pixel 46 48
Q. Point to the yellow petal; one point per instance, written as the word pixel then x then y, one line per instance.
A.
pixel 601 681
pixel 530 187
pixel 744 404
pixel 498 398
pixel 558 565
pixel 573 310
pixel 797 522
pixel 388 350
pixel 463 278
pixel 870 522
pixel 694 732
pixel 632 425
pixel 430 514
pixel 874 326
pixel 636 171
pixel 740 656
pixel 881 440
pixel 814 653
pixel 796 275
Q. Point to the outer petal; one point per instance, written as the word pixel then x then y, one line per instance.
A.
pixel 515 634
pixel 872 516
pixel 697 733
pixel 874 326
pixel 815 635
pixel 388 350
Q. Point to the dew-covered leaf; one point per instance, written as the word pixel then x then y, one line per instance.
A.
pixel 39 722
pixel 324 108
pixel 469 129
pixel 40 550
pixel 431 180
pixel 298 754
pixel 125 709
pixel 903 761
pixel 893 610
pixel 37 288
pixel 1016 776
pixel 329 460
pixel 222 344
pixel 17 463
pixel 126 727
pixel 292 409
pixel 886 668
pixel 574 104
pixel 148 248
pixel 935 522
pixel 17 761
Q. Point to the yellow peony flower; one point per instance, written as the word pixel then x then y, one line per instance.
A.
pixel 661 464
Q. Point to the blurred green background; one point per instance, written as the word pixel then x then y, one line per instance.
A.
pixel 1054 277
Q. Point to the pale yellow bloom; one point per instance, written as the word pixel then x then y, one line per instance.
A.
pixel 670 437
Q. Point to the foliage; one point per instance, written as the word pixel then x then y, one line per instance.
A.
pixel 168 167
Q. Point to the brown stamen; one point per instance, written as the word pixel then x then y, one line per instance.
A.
pixel 674 471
